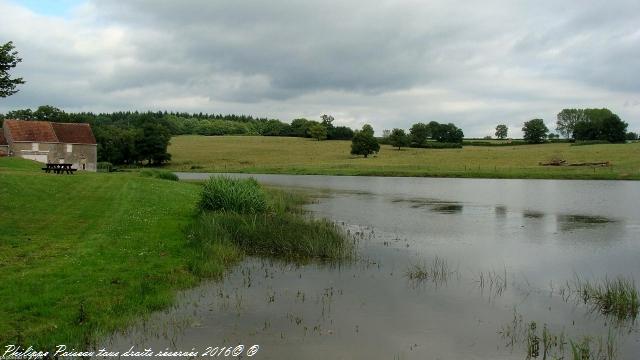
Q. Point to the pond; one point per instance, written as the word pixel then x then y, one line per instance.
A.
pixel 446 269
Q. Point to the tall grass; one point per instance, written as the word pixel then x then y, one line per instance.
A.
pixel 159 174
pixel 240 213
pixel 618 297
pixel 284 235
pixel 206 240
pixel 437 271
pixel 243 196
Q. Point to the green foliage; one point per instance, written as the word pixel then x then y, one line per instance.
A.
pixel 589 142
pixel 419 133
pixel 363 142
pixel 159 174
pixel 567 120
pixel 599 126
pixel 398 138
pixel 151 144
pixel 535 131
pixel 211 248
pixel 367 129
pixel 318 131
pixel 502 131
pixel 447 133
pixel 340 133
pixel 299 127
pixel 116 145
pixel 243 196
pixel 440 145
pixel 281 235
pixel 492 143
pixel 8 60
pixel 632 136
pixel 618 298
pixel 104 166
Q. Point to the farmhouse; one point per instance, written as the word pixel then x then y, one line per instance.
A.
pixel 48 142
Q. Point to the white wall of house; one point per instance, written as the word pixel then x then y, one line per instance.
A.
pixel 37 157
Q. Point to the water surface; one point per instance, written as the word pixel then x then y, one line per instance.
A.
pixel 512 248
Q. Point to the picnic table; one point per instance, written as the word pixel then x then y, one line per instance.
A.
pixel 59 168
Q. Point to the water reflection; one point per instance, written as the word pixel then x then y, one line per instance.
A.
pixel 579 222
pixel 531 214
pixel 510 244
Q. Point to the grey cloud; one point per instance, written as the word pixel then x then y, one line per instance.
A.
pixel 390 63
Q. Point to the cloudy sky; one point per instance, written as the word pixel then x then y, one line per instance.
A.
pixel 388 63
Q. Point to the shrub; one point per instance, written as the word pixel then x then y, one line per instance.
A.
pixel 439 145
pixel 244 196
pixel 104 166
pixel 590 142
pixel 492 143
pixel 159 174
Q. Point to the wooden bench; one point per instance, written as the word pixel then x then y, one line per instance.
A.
pixel 59 169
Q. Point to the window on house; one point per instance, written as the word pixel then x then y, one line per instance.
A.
pixel 35 147
pixel 69 148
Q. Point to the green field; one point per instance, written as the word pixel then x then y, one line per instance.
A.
pixel 84 255
pixel 287 155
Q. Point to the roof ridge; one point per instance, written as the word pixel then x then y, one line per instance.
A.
pixel 54 131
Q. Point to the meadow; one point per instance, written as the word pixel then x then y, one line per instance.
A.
pixel 287 155
pixel 85 255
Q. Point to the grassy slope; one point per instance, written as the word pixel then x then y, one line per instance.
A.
pixel 113 242
pixel 305 156
pixel 84 255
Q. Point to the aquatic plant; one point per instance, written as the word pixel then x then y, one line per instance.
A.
pixel 549 345
pixel 618 297
pixel 243 196
pixel 437 271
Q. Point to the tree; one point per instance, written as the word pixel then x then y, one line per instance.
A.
pixel 50 113
pixel 447 133
pixel 340 133
pixel 363 142
pixel 614 129
pixel 601 124
pixel 535 131
pixel 318 131
pixel 152 142
pixel 8 60
pixel 567 120
pixel 502 131
pixel 299 127
pixel 327 121
pixel 419 133
pixel 398 138
pixel 632 136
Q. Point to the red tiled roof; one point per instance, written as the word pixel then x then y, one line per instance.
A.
pixel 34 131
pixel 74 133
pixel 44 131
pixel 3 141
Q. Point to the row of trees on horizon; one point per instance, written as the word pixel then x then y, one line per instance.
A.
pixel 134 137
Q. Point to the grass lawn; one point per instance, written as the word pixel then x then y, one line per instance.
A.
pixel 84 255
pixel 285 155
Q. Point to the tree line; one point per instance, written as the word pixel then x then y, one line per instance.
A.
pixel 429 135
pixel 576 125
pixel 135 137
